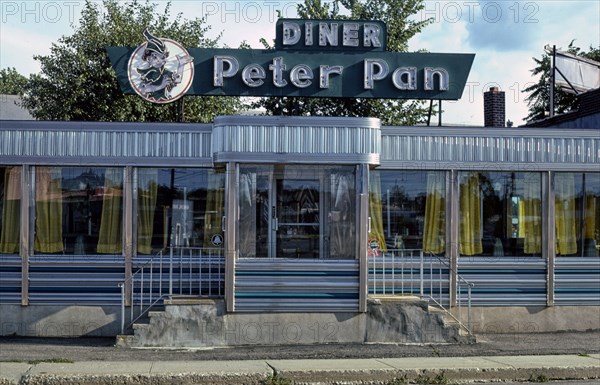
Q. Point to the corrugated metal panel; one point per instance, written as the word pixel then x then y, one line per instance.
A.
pixel 330 137
pixel 532 149
pixel 277 285
pixel 111 142
pixel 10 279
pixel 577 281
pixel 504 281
pixel 75 279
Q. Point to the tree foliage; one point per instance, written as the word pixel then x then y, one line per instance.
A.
pixel 538 99
pixel 77 81
pixel 11 82
pixel 400 27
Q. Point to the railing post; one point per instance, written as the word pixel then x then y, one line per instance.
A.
pixel 469 307
pixel 122 286
pixel 421 273
pixel 170 270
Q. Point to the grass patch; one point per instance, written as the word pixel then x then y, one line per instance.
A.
pixel 398 381
pixel 58 360
pixel 276 379
pixel 538 377
pixel 438 379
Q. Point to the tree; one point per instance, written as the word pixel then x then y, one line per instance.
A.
pixel 11 82
pixel 538 99
pixel 77 81
pixel 396 14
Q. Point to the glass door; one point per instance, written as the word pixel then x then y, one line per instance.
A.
pixel 292 211
pixel 297 227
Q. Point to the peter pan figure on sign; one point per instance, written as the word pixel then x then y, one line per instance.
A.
pixel 158 77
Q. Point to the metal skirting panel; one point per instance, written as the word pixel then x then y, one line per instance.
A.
pixel 504 281
pixel 327 137
pixel 75 279
pixel 10 279
pixel 116 143
pixel 525 146
pixel 281 285
pixel 404 275
pixel 577 281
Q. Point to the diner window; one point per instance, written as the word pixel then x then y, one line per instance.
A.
pixel 407 211
pixel 10 208
pixel 577 208
pixel 179 207
pixel 78 210
pixel 500 214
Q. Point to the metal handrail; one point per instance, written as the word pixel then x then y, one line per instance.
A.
pixel 414 259
pixel 469 285
pixel 147 300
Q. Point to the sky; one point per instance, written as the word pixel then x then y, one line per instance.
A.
pixel 504 35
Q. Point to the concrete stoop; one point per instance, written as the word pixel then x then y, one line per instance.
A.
pixel 197 322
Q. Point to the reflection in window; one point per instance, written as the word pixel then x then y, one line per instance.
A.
pixel 10 207
pixel 289 211
pixel 179 207
pixel 577 207
pixel 500 213
pixel 78 210
pixel 408 211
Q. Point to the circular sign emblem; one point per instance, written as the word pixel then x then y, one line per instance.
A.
pixel 160 70
pixel 217 240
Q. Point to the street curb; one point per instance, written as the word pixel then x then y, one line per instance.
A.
pixel 368 371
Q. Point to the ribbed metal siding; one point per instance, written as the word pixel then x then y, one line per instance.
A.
pixel 504 281
pixel 293 139
pixel 10 279
pixel 577 281
pixel 296 286
pixel 525 146
pixel 75 279
pixel 109 140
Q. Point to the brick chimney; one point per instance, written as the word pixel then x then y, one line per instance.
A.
pixel 494 108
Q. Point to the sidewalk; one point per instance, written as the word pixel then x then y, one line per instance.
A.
pixel 516 357
pixel 347 371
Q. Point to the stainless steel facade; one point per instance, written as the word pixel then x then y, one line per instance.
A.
pixel 235 140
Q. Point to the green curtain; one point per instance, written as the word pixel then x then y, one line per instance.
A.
pixel 111 221
pixel 566 223
pixel 11 207
pixel 470 216
pixel 146 207
pixel 434 231
pixel 215 206
pixel 48 210
pixel 530 216
pixel 376 213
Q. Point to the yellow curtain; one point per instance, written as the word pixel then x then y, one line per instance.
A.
pixel 566 223
pixel 215 205
pixel 434 232
pixel 11 207
pixel 531 220
pixel 376 212
pixel 48 210
pixel 146 207
pixel 470 216
pixel 111 221
pixel 591 222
